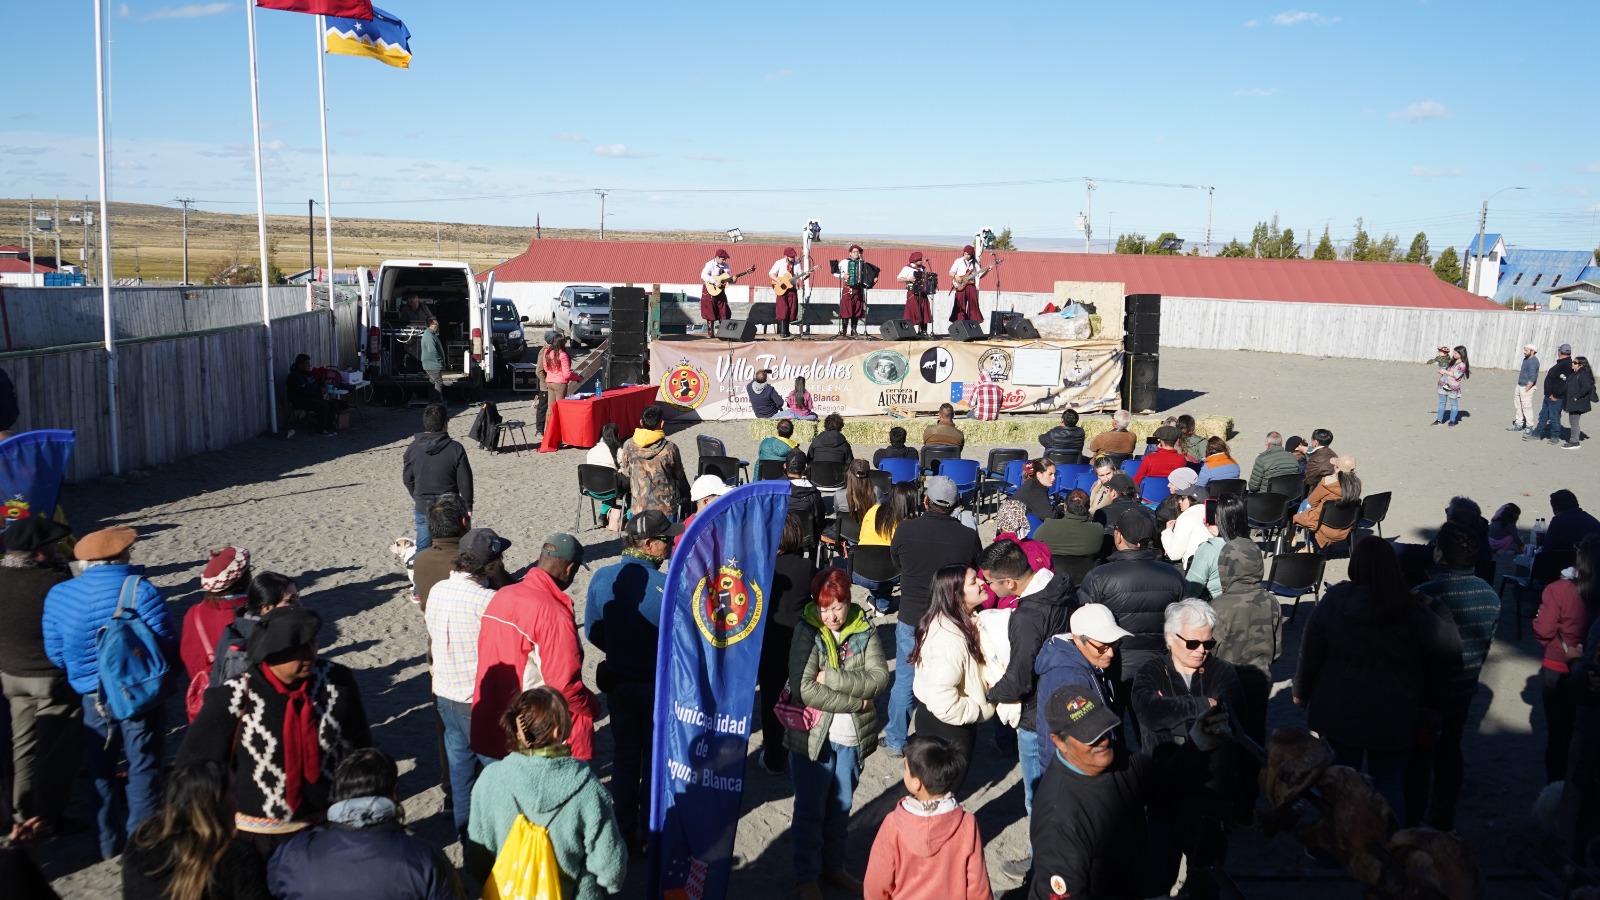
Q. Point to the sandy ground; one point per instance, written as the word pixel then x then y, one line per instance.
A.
pixel 324 510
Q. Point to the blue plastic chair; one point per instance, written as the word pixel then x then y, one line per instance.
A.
pixel 1085 483
pixel 902 469
pixel 964 472
pixel 1033 523
pixel 1013 475
pixel 1130 466
pixel 1067 476
pixel 1154 490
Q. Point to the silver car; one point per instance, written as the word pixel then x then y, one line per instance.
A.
pixel 583 313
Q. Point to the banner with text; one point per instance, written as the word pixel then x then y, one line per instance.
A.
pixel 33 466
pixel 705 379
pixel 712 620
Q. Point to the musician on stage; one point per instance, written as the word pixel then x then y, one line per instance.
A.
pixel 787 306
pixel 714 309
pixel 852 295
pixel 965 305
pixel 915 277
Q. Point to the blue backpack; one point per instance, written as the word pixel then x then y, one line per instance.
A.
pixel 132 663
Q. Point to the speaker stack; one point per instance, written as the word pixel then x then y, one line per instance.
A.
pixel 742 330
pixel 628 359
pixel 1141 326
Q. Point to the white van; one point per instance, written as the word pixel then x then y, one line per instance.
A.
pixel 448 291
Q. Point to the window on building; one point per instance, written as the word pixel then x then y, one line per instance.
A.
pixel 1555 281
pixel 1536 279
pixel 1517 279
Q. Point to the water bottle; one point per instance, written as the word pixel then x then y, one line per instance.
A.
pixel 1536 538
pixel 599 390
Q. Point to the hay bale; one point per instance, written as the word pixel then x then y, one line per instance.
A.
pixel 1007 431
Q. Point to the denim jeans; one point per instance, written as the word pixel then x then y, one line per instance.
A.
pixel 632 708
pixel 1032 768
pixel 118 812
pixel 1549 419
pixel 424 536
pixel 457 717
pixel 1455 408
pixel 894 733
pixel 824 788
pixel 881 591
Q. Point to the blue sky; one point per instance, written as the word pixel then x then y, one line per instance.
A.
pixel 1406 113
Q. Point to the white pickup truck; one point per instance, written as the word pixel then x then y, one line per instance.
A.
pixel 393 329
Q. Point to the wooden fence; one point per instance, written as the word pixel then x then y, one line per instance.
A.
pixel 176 396
pixel 42 318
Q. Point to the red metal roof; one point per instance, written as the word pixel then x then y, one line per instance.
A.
pixel 1292 280
pixel 8 264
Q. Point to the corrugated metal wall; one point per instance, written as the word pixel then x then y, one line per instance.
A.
pixel 40 318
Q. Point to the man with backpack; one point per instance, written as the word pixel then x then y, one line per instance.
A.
pixel 109 630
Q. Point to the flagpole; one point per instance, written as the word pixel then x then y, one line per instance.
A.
pixel 322 109
pixel 105 242
pixel 261 214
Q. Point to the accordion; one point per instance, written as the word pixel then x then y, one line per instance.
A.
pixel 925 284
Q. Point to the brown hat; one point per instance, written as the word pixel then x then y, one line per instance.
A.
pixel 107 543
pixel 1344 463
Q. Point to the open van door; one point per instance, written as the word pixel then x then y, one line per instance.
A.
pixel 369 319
pixel 485 327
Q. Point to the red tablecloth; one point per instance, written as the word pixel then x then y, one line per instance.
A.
pixel 576 423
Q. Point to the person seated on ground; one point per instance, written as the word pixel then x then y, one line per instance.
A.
pixel 1190 444
pixel 830 445
pixel 805 499
pixel 897 448
pixel 1339 486
pixel 799 401
pixel 363 842
pixel 764 400
pixel 307 392
pixel 1188 531
pixel 1272 462
pixel 1118 441
pixel 1124 496
pixel 1568 523
pixel 188 850
pixel 944 432
pixel 1319 460
pixel 1099 496
pixel 928 846
pixel 1073 534
pixel 1503 534
pixel 1165 459
pixel 1066 437
pixel 1218 465
pixel 777 446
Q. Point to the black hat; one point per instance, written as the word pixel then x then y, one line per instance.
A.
pixel 34 533
pixel 1122 483
pixel 1138 526
pixel 652 523
pixel 796 461
pixel 484 544
pixel 283 628
pixel 1076 711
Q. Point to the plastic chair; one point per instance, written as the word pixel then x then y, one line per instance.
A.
pixel 1117 459
pixel 597 483
pixel 771 470
pixel 1337 516
pixel 710 446
pixel 1374 509
pixel 1268 512
pixel 964 472
pixel 1130 466
pixel 1294 575
pixel 901 470
pixel 724 467
pixel 994 471
pixel 1067 476
pixel 1033 523
pixel 1234 486
pixel 1154 490
pixel 1084 483
pixel 934 454
pixel 873 563
pixel 1287 485
pixel 1063 457
pixel 827 476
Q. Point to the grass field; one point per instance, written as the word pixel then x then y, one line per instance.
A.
pixel 148 240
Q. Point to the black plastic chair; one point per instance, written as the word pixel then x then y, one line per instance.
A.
pixel 597 483
pixel 1337 516
pixel 1294 575
pixel 1060 457
pixel 771 470
pixel 873 563
pixel 1268 512
pixel 933 454
pixel 1287 485
pixel 1117 459
pixel 725 467
pixel 827 476
pixel 882 481
pixel 1234 486
pixel 710 446
pixel 1374 509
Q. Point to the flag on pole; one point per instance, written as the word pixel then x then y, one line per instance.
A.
pixel 385 38
pixel 713 616
pixel 349 9
pixel 33 466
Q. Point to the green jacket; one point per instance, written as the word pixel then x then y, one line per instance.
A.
pixel 432 351
pixel 856 671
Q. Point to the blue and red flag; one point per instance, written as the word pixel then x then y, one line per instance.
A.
pixel 33 466
pixel 349 9
pixel 713 615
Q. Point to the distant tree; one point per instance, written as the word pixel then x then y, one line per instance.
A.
pixel 1448 266
pixel 1597 256
pixel 1133 243
pixel 1234 250
pixel 1385 249
pixel 1268 242
pixel 1361 245
pixel 1419 250
pixel 1002 241
pixel 1325 247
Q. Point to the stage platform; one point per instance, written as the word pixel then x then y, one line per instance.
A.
pixel 868 434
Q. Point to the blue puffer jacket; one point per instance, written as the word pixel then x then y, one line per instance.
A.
pixel 1059 664
pixel 75 610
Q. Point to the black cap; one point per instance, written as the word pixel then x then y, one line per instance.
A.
pixel 1076 711
pixel 652 523
pixel 1138 526
pixel 1122 483
pixel 283 628
pixel 34 533
pixel 796 461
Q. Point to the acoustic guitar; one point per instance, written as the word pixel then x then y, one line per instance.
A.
pixel 784 283
pixel 958 282
pixel 715 288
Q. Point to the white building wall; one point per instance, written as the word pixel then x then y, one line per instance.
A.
pixel 22 279
pixel 1491 271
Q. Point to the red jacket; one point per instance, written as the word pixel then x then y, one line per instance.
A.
pixel 528 637
pixel 203 625
pixel 1159 464
pixel 1561 619
pixel 938 857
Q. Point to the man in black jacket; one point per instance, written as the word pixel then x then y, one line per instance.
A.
pixel 1555 393
pixel 1066 437
pixel 435 464
pixel 1124 496
pixel 1137 586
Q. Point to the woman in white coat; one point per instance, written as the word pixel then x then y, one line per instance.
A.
pixel 949 664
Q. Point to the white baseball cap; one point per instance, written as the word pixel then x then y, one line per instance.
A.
pixel 707 486
pixel 1095 622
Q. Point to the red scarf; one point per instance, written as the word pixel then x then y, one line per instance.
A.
pixel 301 753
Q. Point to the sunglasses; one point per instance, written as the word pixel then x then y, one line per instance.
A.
pixel 1190 644
pixel 1098 647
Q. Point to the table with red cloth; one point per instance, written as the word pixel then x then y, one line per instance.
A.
pixel 577 423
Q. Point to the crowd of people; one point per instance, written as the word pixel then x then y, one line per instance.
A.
pixel 1120 648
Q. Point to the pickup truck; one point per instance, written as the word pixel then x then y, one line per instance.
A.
pixel 583 313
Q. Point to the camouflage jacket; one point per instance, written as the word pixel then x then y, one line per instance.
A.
pixel 1249 628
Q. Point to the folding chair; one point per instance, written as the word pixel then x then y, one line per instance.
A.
pixel 710 446
pixel 994 471
pixel 1234 486
pixel 1294 575
pixel 1287 485
pixel 1268 512
pixel 901 470
pixel 725 467
pixel 964 472
pixel 1154 490
pixel 827 476
pixel 771 470
pixel 1374 509
pixel 934 454
pixel 597 483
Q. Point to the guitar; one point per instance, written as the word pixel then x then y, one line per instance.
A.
pixel 784 283
pixel 958 282
pixel 715 288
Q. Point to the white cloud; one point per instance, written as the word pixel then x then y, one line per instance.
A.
pixel 1257 92
pixel 1589 168
pixel 1297 17
pixel 1252 23
pixel 124 11
pixel 1429 172
pixel 1420 112
pixel 1534 167
pixel 706 157
pixel 130 165
pixel 192 11
pixel 568 137
pixel 618 151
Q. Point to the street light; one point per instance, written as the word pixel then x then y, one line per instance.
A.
pixel 1483 219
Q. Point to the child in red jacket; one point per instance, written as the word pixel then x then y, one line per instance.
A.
pixel 929 847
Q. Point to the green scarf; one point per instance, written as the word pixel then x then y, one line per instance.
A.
pixel 636 553
pixel 855 622
pixel 554 751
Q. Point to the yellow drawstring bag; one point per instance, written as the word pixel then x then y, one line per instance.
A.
pixel 526 867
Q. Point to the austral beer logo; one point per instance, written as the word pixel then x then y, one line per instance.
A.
pixel 684 385
pixel 886 367
pixel 726 607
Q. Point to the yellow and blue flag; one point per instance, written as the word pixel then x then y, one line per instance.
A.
pixel 385 38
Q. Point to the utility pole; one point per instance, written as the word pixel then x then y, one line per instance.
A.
pixel 311 238
pixel 1211 195
pixel 185 201
pixel 1088 218
pixel 1111 233
pixel 602 213
pixel 84 256
pixel 29 229
pixel 55 226
pixel 437 252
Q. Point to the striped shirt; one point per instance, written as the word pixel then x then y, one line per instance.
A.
pixel 1476 610
pixel 455 610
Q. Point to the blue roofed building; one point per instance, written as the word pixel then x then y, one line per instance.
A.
pixel 1512 273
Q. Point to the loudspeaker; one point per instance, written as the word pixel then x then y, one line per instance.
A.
pixel 622 370
pixel 1020 328
pixel 1141 382
pixel 741 330
pixel 1143 305
pixel 898 330
pixel 629 311
pixel 998 320
pixel 630 299
pixel 966 331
